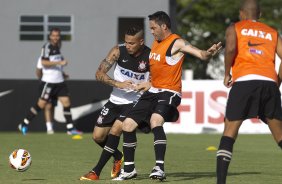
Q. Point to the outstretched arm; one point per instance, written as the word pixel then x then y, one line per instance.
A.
pixel 106 65
pixel 182 46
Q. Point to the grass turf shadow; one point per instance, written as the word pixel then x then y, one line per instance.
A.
pixel 181 176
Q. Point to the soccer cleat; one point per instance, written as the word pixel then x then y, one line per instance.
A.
pixel 74 132
pixel 22 128
pixel 90 176
pixel 157 174
pixel 126 176
pixel 116 168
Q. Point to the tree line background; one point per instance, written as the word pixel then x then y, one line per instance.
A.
pixel 203 22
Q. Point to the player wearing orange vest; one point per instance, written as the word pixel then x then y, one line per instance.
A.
pixel 159 104
pixel 250 52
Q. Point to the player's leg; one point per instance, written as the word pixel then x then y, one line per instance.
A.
pixel 108 115
pixel 99 135
pixel 160 140
pixel 224 153
pixel 129 145
pixel 165 111
pixel 140 113
pixel 243 103
pixel 273 107
pixel 48 113
pixel 34 110
pixel 106 121
pixel 110 149
pixel 113 142
pixel 275 127
pixel 115 134
pixel 71 130
pixel 61 91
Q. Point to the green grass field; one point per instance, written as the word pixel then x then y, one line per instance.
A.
pixel 58 159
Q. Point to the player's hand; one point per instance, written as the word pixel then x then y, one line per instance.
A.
pixel 228 81
pixel 64 63
pixel 66 76
pixel 125 85
pixel 144 86
pixel 214 49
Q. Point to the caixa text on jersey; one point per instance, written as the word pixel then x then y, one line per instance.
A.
pixel 133 75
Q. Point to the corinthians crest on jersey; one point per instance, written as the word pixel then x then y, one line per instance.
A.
pixel 142 66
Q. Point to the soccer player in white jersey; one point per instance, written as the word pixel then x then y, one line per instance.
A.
pixel 52 83
pixel 131 75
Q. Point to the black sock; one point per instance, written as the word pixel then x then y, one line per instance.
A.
pixel 117 154
pixel 129 146
pixel 280 144
pixel 159 145
pixel 68 117
pixel 103 143
pixel 224 155
pixel 108 151
pixel 31 114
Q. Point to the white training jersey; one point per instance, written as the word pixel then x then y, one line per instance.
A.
pixel 52 74
pixel 135 69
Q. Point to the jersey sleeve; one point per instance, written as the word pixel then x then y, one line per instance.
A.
pixel 45 52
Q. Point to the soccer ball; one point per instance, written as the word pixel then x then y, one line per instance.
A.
pixel 20 160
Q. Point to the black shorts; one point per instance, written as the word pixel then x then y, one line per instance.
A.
pixel 111 112
pixel 53 101
pixel 254 99
pixel 164 103
pixel 51 91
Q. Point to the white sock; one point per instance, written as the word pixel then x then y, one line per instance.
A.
pixel 69 126
pixel 49 126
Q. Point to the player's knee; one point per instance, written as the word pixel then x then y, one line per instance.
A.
pixel 66 104
pixel 41 104
pixel 116 131
pixel 155 123
pixel 98 138
pixel 65 101
pixel 129 125
pixel 156 120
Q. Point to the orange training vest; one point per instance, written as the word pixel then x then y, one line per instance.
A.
pixel 165 73
pixel 256 47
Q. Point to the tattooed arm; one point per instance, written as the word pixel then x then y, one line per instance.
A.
pixel 106 65
pixel 182 46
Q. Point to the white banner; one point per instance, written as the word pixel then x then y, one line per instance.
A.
pixel 202 110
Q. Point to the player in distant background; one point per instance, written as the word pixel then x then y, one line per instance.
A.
pixel 250 51
pixel 52 83
pixel 131 75
pixel 49 108
pixel 160 102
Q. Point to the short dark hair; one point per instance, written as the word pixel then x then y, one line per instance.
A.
pixel 133 30
pixel 55 29
pixel 161 17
